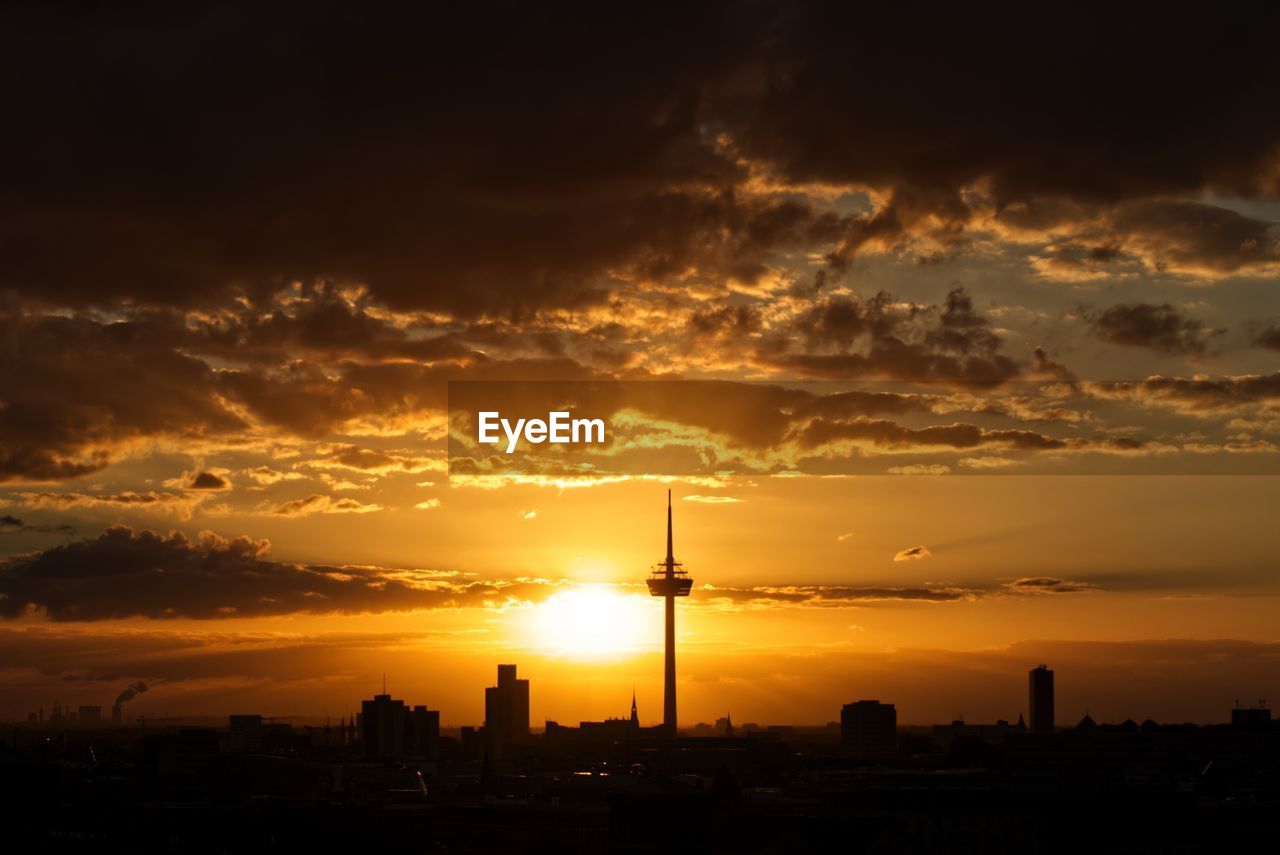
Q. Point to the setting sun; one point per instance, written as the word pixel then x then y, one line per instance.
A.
pixel 591 621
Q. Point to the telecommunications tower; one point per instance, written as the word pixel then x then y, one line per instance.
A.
pixel 669 580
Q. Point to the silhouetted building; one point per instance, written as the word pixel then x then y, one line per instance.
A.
pixel 471 742
pixel 669 580
pixel 382 727
pixel 90 715
pixel 422 734
pixel 1041 702
pixel 249 733
pixel 869 730
pixel 506 711
pixel 945 734
pixel 1251 718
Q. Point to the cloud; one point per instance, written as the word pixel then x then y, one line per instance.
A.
pixel 1161 328
pixel 206 480
pixel 1268 335
pixel 887 434
pixel 319 503
pixel 834 596
pixel 123 573
pixel 11 524
pixel 713 500
pixel 1201 394
pixel 367 460
pixel 1163 237
pixel 846 337
pixel 180 505
pixel 920 469
pixel 76 392
pixel 987 462
pixel 1048 585
pixel 427 505
pixel 677 177
pixel 915 553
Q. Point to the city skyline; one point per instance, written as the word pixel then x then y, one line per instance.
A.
pixel 507 717
pixel 954 335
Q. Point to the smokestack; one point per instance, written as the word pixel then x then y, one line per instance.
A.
pixel 127 694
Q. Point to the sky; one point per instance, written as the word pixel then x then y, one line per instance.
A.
pixel 954 334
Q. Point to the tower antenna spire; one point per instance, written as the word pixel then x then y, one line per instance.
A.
pixel 668 580
pixel 671 559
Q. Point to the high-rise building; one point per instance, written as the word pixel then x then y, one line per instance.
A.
pixel 506 711
pixel 90 715
pixel 422 733
pixel 382 726
pixel 869 730
pixel 1041 704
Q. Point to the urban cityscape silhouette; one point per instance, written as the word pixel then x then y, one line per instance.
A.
pixel 863 783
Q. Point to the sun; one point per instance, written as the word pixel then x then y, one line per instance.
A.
pixel 591 621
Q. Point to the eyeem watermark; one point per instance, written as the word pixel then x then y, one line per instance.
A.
pixel 558 428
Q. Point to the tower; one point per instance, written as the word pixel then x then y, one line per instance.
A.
pixel 506 712
pixel 1041 703
pixel 669 581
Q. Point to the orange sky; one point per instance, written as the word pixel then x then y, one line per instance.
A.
pixel 950 374
pixel 771 632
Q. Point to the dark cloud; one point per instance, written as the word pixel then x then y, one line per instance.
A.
pixel 500 168
pixel 890 434
pixel 316 319
pixel 1046 367
pixel 1140 118
pixel 123 573
pixel 496 159
pixel 846 337
pixel 726 321
pixel 1267 335
pixel 1049 585
pixel 838 596
pixel 74 390
pixel 846 596
pixel 1162 328
pixel 208 481
pixel 1162 236
pixel 318 503
pixel 10 523
pixel 1194 394
pixel 179 504
pixel 915 553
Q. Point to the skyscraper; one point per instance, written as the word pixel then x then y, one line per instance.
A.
pixel 869 730
pixel 422 733
pixel 506 711
pixel 669 582
pixel 382 726
pixel 1041 705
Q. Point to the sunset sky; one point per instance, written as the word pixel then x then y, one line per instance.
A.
pixel 956 338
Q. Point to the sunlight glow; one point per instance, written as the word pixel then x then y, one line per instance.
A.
pixel 592 621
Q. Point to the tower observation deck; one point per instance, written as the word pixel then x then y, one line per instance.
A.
pixel 669 580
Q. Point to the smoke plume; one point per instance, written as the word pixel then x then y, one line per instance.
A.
pixel 130 692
